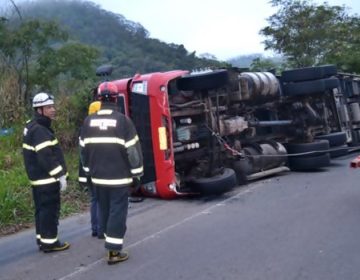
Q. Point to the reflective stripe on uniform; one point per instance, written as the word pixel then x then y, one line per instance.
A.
pixel 112 181
pixel 104 140
pixel 113 240
pixel 28 147
pixel 82 179
pixel 105 112
pixel 137 170
pixel 86 169
pixel 132 142
pixel 45 144
pixel 81 143
pixel 43 181
pixel 56 170
pixel 48 241
pixel 40 146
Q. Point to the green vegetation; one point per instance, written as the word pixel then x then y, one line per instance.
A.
pixel 121 42
pixel 15 192
pixel 258 62
pixel 15 199
pixel 308 34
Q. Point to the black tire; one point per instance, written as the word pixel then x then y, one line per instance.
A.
pixel 335 139
pixel 339 151
pixel 309 163
pixel 309 87
pixel 203 81
pixel 297 148
pixel 215 185
pixel 308 73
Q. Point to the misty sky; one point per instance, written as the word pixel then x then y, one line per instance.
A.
pixel 224 28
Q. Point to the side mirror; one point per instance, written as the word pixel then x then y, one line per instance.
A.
pixel 104 70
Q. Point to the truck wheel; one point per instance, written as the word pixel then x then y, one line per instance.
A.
pixel 339 151
pixel 335 139
pixel 309 163
pixel 309 87
pixel 203 81
pixel 318 146
pixel 215 185
pixel 308 73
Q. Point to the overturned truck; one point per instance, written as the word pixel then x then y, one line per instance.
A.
pixel 205 132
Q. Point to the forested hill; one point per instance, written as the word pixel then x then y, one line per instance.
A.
pixel 123 43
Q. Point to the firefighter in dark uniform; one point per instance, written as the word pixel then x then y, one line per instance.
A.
pixel 46 170
pixel 111 155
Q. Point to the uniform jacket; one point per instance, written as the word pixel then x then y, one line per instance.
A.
pixel 110 148
pixel 83 179
pixel 43 157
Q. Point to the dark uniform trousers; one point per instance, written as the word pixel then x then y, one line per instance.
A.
pixel 47 210
pixel 113 202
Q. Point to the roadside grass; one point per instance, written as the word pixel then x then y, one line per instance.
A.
pixel 16 205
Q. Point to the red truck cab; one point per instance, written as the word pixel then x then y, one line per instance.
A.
pixel 150 111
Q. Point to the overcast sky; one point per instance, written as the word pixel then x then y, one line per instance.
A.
pixel 224 28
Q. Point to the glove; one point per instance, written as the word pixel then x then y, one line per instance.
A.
pixel 136 190
pixel 63 183
pixel 136 185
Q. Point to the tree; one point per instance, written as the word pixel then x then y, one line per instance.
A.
pixel 263 64
pixel 309 34
pixel 73 60
pixel 22 43
pixel 35 55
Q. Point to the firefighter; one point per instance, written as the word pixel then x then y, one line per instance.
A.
pixel 85 181
pixel 46 170
pixel 112 157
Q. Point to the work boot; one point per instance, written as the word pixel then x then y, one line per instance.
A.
pixel 57 246
pixel 135 199
pixel 116 257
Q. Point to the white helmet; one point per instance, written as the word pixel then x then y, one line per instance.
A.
pixel 42 99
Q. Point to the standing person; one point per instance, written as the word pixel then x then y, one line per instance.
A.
pixel 112 157
pixel 46 170
pixel 85 181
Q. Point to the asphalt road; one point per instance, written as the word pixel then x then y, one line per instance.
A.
pixel 288 227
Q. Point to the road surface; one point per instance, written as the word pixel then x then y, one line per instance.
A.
pixel 288 227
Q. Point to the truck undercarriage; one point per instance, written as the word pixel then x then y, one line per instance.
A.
pixel 205 132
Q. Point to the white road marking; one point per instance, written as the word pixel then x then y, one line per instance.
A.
pixel 156 234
